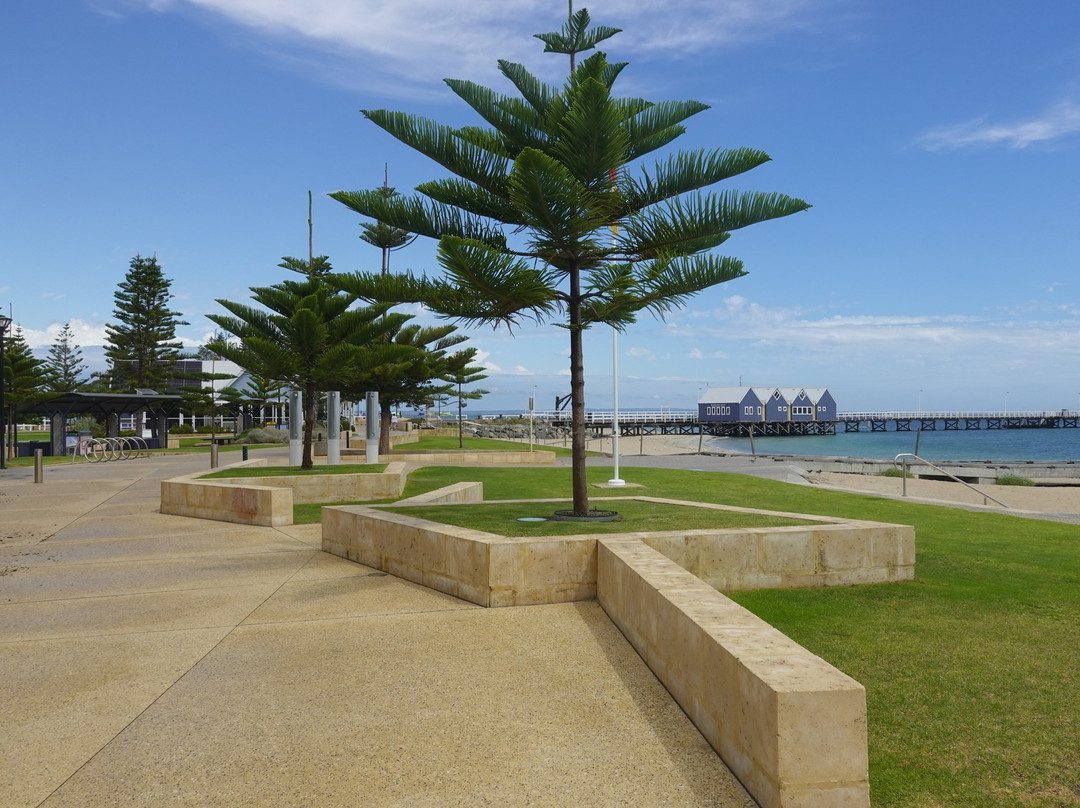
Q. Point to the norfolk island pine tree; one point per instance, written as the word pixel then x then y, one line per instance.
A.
pixel 307 336
pixel 556 168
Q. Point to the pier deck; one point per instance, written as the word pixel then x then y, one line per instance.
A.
pixel 633 423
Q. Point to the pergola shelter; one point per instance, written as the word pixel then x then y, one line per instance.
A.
pixel 109 406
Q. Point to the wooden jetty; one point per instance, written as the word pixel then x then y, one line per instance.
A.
pixel 633 423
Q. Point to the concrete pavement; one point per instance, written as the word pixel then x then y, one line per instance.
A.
pixel 148 659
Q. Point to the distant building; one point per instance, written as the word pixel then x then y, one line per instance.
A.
pixel 766 404
pixel 730 404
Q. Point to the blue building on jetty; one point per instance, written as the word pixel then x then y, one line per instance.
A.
pixel 768 405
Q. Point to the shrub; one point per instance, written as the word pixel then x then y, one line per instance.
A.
pixel 183 429
pixel 87 423
pixel 894 472
pixel 1014 479
pixel 264 435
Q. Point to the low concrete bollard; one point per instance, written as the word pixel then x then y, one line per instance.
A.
pixel 213 456
pixel 39 467
pixel 244 452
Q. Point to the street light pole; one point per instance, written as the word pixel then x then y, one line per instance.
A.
pixel 4 323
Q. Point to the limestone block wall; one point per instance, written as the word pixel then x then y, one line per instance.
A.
pixel 837 553
pixel 483 568
pixel 458 492
pixel 790 726
pixel 335 487
pixel 517 571
pixel 245 504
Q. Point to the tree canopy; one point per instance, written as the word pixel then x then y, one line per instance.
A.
pixel 460 372
pixel 141 345
pixel 26 379
pixel 305 335
pixel 65 365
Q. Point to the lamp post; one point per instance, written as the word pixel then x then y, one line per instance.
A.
pixel 4 323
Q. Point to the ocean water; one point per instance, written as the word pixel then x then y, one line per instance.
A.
pixel 971 444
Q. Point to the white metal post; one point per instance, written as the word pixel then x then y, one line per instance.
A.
pixel 296 423
pixel 371 429
pixel 615 362
pixel 333 428
pixel 615 410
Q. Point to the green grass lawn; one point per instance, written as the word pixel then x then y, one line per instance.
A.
pixel 446 443
pixel 295 471
pixel 972 671
pixel 636 516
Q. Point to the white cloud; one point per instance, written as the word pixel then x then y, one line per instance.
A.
pixel 697 353
pixel 421 41
pixel 1060 120
pixel 482 358
pixel 640 352
pixel 85 333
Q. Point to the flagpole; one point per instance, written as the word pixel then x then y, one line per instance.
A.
pixel 615 368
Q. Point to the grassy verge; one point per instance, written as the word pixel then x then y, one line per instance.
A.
pixel 971 671
pixel 296 471
pixel 636 516
pixel 446 443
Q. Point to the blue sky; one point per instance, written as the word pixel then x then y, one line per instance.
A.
pixel 937 142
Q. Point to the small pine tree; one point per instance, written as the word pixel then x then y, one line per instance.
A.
pixel 66 368
pixel 25 381
pixel 142 348
pixel 379 234
pixel 459 373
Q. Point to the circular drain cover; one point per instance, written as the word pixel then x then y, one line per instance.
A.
pixel 532 519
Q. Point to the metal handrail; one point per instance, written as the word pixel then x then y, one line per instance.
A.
pixel 903 469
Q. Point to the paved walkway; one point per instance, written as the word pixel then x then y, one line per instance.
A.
pixel 155 660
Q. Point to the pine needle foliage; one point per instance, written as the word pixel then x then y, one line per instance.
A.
pixel 549 215
pixel 309 337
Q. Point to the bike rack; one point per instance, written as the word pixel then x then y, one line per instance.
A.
pixel 904 465
pixel 102 450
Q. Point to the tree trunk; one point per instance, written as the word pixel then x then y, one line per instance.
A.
pixel 460 436
pixel 385 416
pixel 577 399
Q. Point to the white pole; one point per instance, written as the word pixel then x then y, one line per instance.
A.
pixel 333 428
pixel 615 410
pixel 296 422
pixel 371 427
pixel 615 369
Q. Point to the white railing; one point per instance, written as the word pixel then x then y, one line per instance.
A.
pixel 901 462
pixel 914 416
pixel 625 416
pixel 674 416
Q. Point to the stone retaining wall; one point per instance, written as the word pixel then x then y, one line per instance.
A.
pixel 839 553
pixel 504 571
pixel 308 488
pixel 789 725
pixel 269 500
pixel 227 502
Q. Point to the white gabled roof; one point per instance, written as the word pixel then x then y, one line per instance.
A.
pixel 792 393
pixel 726 395
pixel 723 395
pixel 815 393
